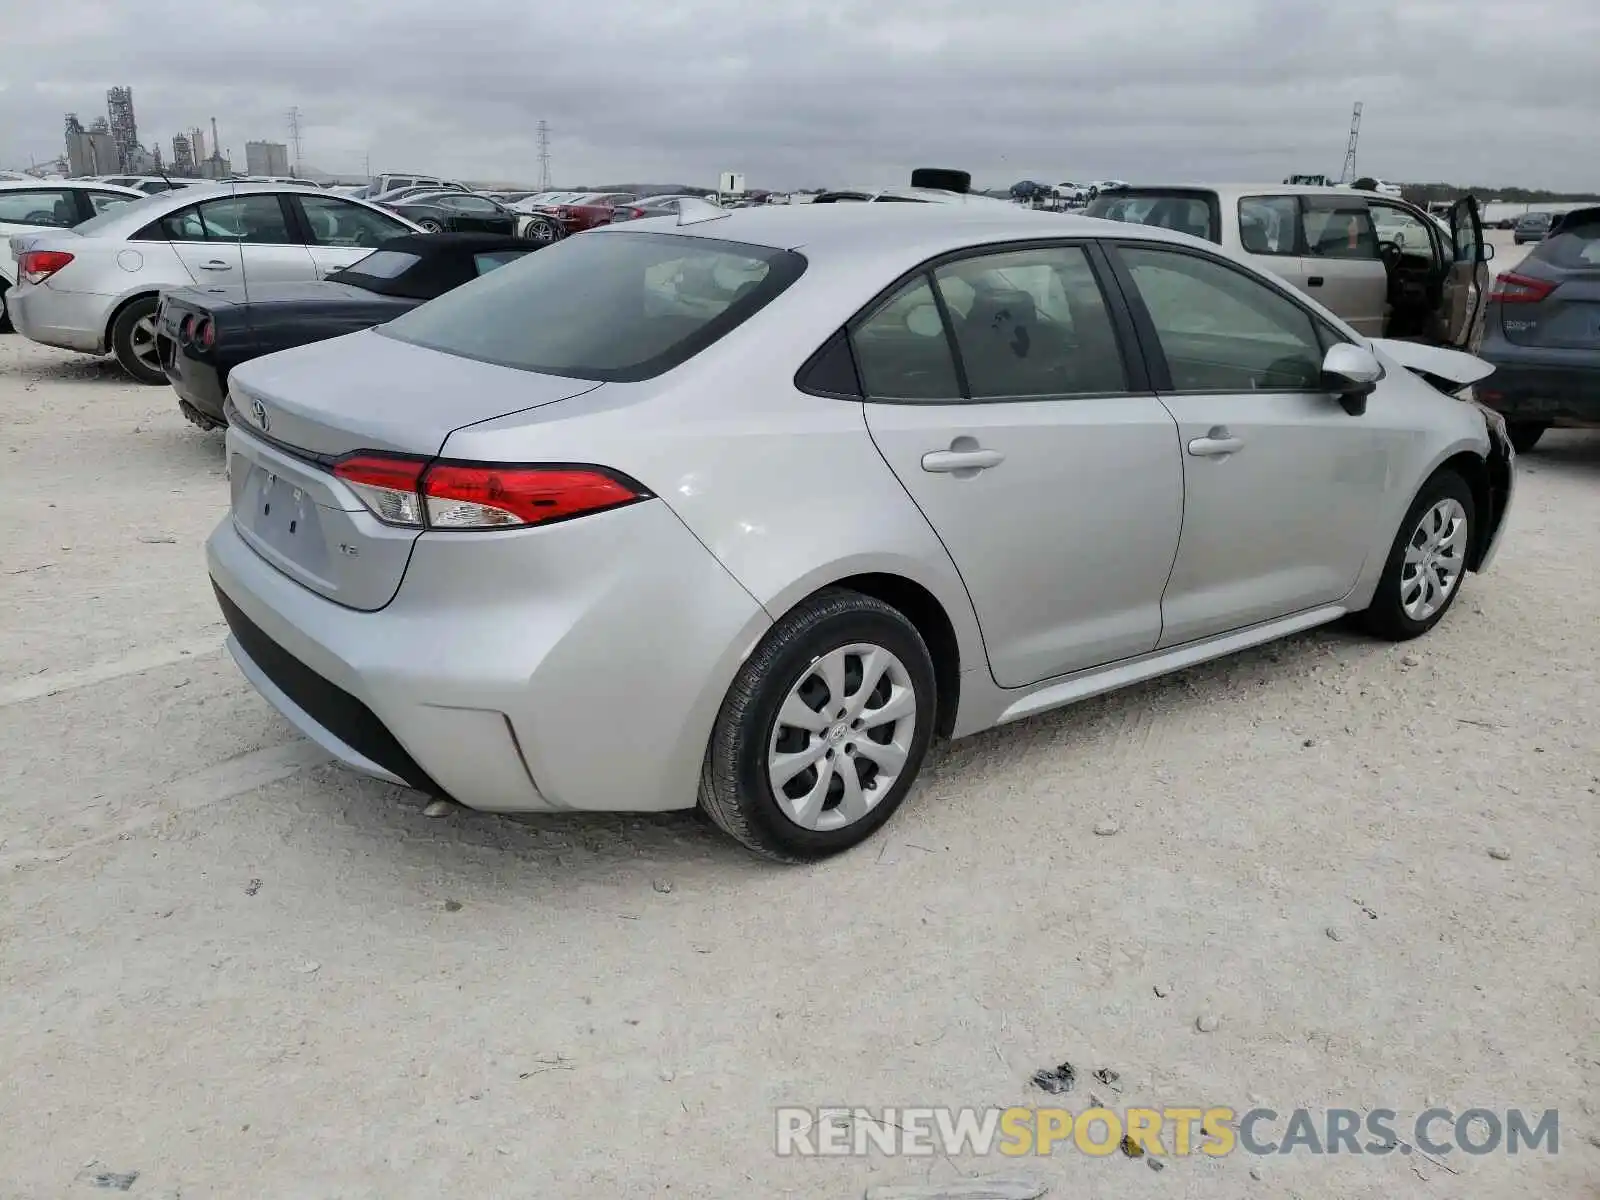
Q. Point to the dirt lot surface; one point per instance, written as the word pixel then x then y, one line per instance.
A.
pixel 239 972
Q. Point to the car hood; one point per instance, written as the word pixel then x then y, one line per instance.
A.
pixel 367 391
pixel 1453 366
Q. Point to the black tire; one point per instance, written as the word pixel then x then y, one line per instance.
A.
pixel 1525 435
pixel 5 316
pixel 735 790
pixel 1386 617
pixel 122 341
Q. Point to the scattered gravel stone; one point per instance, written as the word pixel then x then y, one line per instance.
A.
pixel 1107 828
pixel 662 886
pixel 452 906
pixel 1207 1022
pixel 1335 933
pixel 1500 854
pixel 1163 990
pixel 1056 1080
pixel 438 808
pixel 1410 660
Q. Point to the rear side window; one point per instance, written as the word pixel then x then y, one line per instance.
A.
pixel 1575 247
pixel 616 307
pixel 1194 213
pixel 1269 225
pixel 1031 322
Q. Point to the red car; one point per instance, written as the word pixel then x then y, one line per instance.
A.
pixel 588 211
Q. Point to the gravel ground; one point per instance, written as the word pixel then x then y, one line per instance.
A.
pixel 237 971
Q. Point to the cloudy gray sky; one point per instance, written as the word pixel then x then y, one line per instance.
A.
pixel 799 93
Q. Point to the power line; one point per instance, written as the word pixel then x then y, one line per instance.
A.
pixel 1348 174
pixel 544 156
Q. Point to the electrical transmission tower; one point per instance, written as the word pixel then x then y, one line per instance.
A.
pixel 544 156
pixel 1349 171
pixel 294 135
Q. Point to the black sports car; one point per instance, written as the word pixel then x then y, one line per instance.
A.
pixel 455 212
pixel 203 333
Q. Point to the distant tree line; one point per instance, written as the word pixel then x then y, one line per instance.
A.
pixel 1423 193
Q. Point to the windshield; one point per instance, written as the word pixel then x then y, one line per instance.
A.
pixel 616 307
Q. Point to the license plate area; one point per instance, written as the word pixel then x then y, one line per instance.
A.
pixel 282 517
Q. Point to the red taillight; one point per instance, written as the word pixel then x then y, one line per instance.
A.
pixel 186 329
pixel 636 213
pixel 457 495
pixel 205 333
pixel 35 266
pixel 1511 288
pixel 566 210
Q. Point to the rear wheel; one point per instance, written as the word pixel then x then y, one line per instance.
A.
pixel 1427 562
pixel 1525 435
pixel 429 225
pixel 133 341
pixel 823 730
pixel 541 230
pixel 5 317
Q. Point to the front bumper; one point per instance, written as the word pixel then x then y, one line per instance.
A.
pixel 580 666
pixel 70 320
pixel 1502 483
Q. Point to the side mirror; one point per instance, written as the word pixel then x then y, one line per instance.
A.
pixel 1488 251
pixel 1352 373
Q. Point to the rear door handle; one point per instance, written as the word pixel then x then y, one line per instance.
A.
pixel 1215 444
pixel 1314 281
pixel 216 265
pixel 945 461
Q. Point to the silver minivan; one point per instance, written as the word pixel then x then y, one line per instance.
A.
pixel 1382 264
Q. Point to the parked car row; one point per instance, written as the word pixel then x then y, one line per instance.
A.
pixel 30 204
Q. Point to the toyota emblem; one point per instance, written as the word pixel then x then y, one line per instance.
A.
pixel 260 411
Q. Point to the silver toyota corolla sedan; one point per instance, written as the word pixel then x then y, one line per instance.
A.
pixel 743 509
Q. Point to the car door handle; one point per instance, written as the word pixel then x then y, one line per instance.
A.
pixel 1314 281
pixel 1215 444
pixel 944 461
pixel 216 265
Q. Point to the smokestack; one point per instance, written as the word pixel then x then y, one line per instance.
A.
pixel 216 146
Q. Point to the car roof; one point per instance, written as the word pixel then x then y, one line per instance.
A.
pixel 888 232
pixel 17 185
pixel 124 219
pixel 1227 191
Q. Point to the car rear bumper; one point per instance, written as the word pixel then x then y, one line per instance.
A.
pixel 70 320
pixel 1553 392
pixel 198 384
pixel 576 667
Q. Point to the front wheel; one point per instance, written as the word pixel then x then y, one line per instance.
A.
pixel 823 731
pixel 428 225
pixel 5 317
pixel 1427 562
pixel 133 341
pixel 1525 435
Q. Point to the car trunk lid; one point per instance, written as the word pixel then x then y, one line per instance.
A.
pixel 298 412
pixel 1566 315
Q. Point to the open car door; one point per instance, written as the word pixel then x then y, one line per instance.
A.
pixel 1466 288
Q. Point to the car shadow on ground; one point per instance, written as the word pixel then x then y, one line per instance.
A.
pixel 567 848
pixel 77 369
pixel 1569 451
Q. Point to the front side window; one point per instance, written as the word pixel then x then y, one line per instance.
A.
pixel 902 351
pixel 1269 225
pixel 249 219
pixel 335 222
pixel 617 307
pixel 52 208
pixel 1221 330
pixel 1031 322
pixel 1402 227
pixel 1339 229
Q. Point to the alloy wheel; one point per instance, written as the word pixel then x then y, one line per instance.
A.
pixel 1436 555
pixel 142 341
pixel 842 737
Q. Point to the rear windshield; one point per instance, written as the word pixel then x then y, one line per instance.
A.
pixel 1576 247
pixel 612 306
pixel 118 211
pixel 1534 219
pixel 1194 213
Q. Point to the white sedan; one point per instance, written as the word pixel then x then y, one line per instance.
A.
pixel 27 204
